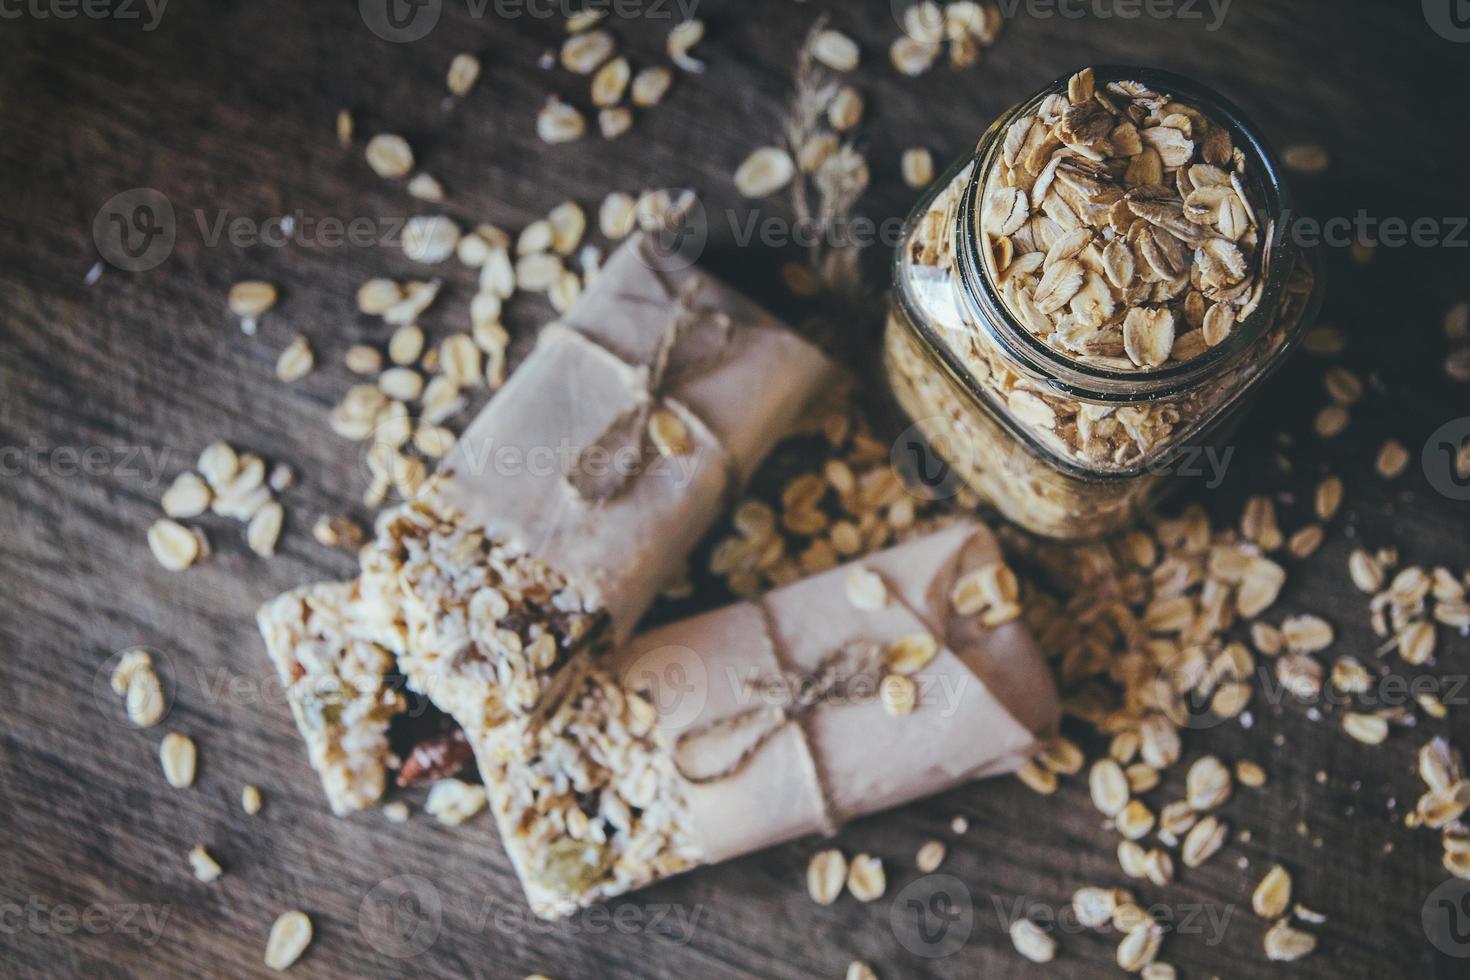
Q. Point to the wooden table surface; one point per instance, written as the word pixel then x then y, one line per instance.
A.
pixel 109 389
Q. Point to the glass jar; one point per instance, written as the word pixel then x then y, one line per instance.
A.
pixel 1069 422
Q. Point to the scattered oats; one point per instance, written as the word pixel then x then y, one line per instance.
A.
pixel 610 82
pixel 344 128
pixel 296 361
pixel 1061 755
pixel 559 122
pixel 430 239
pixel 173 544
pixel 290 935
pixel 959 825
pixel 206 868
pixel 911 653
pixel 187 496
pixel 1416 642
pixel 764 172
pixel 1305 158
pixel 401 384
pixel 1037 778
pixel 1140 946
pixel 265 528
pixel 459 361
pixel 1331 421
pixel 612 123
pixel 464 71
pixel 250 800
pixel 865 589
pixel 1202 841
pixel 1031 942
pixel 825 875
pixel 1328 498
pixel 845 110
pixel 650 86
pixel 1208 783
pixel 930 856
pixel 898 693
pixel 1273 894
pixel 1109 787
pixel 1457 364
pixel 426 188
pixel 1368 729
pixel 1306 633
pixel 377 296
pixel 144 696
pixel 568 223
pixel 583 53
pixel 1250 774
pixel 682 39
pixel 389 156
pixel 835 50
pixel 1392 460
pixel 1284 944
pixel 395 812
pixel 538 272
pixel 452 802
pixel 917 166
pixel 404 348
pixel 1305 541
pixel 178 756
pixel 1343 386
pixel 251 298
pixel 1135 820
pixel 911 56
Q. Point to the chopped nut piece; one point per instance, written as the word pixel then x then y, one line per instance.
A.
pixel 250 800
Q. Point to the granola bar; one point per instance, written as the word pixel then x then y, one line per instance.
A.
pixel 871 685
pixel 334 676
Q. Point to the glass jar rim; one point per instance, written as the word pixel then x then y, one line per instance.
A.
pixel 1090 382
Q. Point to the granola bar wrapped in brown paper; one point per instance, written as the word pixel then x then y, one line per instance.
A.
pixel 578 492
pixel 885 680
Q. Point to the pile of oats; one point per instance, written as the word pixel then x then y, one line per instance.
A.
pixel 1121 226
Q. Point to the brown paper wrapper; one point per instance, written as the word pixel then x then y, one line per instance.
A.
pixel 734 377
pixel 982 701
pixel 766 723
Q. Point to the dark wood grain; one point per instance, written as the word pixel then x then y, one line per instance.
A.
pixel 227 108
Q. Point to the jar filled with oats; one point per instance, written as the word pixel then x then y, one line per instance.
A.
pixel 1083 305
